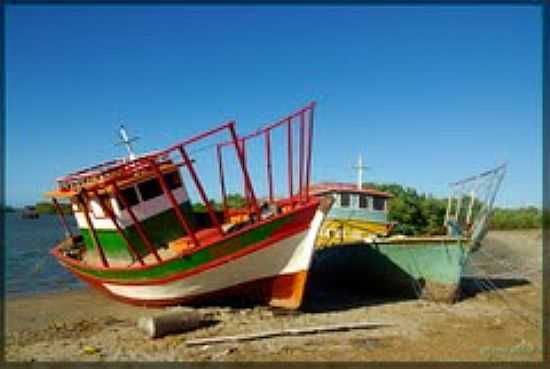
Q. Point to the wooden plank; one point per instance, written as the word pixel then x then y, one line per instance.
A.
pixel 284 332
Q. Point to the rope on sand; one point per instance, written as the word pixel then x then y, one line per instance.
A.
pixel 485 284
pixel 506 274
pixel 507 265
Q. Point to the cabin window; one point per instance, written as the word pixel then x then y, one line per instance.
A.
pixel 131 197
pixel 150 189
pixel 363 201
pixel 378 203
pixel 173 180
pixel 345 200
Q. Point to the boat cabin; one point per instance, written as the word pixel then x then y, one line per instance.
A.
pixel 357 213
pixel 136 205
pixel 138 210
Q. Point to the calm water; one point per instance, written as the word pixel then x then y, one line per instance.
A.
pixel 29 266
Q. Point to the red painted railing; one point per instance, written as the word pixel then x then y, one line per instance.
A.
pixel 108 177
pixel 303 118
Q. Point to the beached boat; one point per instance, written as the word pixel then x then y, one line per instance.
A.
pixel 142 242
pixel 430 266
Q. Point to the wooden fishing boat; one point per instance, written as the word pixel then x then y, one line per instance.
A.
pixel 30 212
pixel 428 266
pixel 142 242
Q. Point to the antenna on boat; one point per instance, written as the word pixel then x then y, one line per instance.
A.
pixel 360 168
pixel 126 141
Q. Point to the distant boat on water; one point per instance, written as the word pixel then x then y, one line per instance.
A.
pixel 30 212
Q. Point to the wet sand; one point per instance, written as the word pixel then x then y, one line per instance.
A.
pixel 484 326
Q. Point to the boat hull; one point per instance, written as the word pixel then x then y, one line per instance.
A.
pixel 270 263
pixel 427 269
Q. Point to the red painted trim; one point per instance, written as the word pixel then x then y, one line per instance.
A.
pixel 245 187
pixel 290 168
pixel 114 220
pixel 119 169
pixel 299 212
pixel 279 123
pixel 269 164
pixel 222 179
pixel 198 137
pixel 175 206
pixel 302 141
pixel 309 145
pixel 83 198
pixel 61 216
pixel 244 170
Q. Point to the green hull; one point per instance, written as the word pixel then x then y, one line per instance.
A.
pixel 431 269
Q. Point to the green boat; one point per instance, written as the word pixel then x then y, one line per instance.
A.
pixel 428 266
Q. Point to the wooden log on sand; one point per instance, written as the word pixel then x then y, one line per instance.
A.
pixel 284 332
pixel 174 321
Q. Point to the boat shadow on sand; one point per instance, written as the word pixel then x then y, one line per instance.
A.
pixel 346 277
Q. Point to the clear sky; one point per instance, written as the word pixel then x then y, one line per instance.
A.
pixel 427 94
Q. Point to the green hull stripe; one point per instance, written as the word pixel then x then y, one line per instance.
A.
pixel 160 228
pixel 188 262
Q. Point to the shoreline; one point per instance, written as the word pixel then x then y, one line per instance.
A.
pixel 29 294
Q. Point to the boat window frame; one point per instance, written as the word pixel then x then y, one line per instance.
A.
pixel 380 198
pixel 366 201
pixel 173 185
pixel 94 207
pixel 148 196
pixel 121 206
pixel 348 200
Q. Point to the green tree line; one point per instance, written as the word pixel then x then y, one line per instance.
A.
pixel 44 207
pixel 415 213
pixel 234 200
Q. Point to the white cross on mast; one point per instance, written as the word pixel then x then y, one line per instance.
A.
pixel 360 168
pixel 126 141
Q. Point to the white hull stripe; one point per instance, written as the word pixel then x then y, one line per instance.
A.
pixel 287 256
pixel 144 210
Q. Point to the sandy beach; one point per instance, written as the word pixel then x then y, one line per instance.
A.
pixel 484 325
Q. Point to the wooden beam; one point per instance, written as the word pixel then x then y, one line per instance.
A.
pixel 284 332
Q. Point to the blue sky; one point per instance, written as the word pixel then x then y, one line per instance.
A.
pixel 427 94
